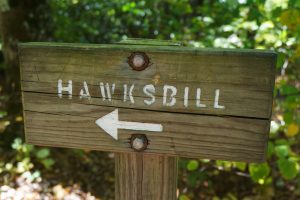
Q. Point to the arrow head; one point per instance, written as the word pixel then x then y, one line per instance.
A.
pixel 109 123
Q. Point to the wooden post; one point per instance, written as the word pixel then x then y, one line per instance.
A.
pixel 142 176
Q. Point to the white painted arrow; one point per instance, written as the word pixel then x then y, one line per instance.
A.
pixel 110 123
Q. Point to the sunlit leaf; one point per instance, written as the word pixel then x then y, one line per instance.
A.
pixel 241 165
pixel 289 169
pixel 192 165
pixel 184 197
pixel 272 4
pixel 17 144
pixel 3 113
pixel 3 125
pixel 48 163
pixel 282 151
pixel 288 90
pixel 19 119
pixel 292 130
pixel 274 127
pixel 259 171
pixel 43 153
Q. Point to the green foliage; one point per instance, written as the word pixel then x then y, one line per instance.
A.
pixel 184 197
pixel 260 24
pixel 192 165
pixel 259 172
pixel 240 166
pixel 282 151
pixel 288 168
pixel 25 155
pixel 42 153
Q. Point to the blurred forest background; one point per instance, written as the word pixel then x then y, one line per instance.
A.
pixel 30 172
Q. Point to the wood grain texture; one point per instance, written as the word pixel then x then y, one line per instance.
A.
pixel 245 79
pixel 63 122
pixel 145 177
pixel 239 132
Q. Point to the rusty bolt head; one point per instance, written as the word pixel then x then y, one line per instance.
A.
pixel 139 142
pixel 138 61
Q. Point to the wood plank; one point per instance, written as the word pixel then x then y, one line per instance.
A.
pixel 145 177
pixel 245 80
pixel 51 121
pixel 236 89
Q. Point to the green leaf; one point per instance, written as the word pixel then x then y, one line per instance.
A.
pixel 282 151
pixel 27 148
pixel 205 160
pixel 288 117
pixel 241 165
pixel 2 113
pixel 48 163
pixel 288 90
pixel 192 179
pixel 43 153
pixel 259 172
pixel 17 145
pixel 294 3
pixel 192 165
pixel 288 168
pixel 224 164
pixel 183 197
pixel 232 4
pixel 272 4
pixel 281 141
pixel 280 60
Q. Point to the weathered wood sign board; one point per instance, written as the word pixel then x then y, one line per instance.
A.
pixel 189 102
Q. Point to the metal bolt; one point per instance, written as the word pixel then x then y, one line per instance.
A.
pixel 139 142
pixel 138 61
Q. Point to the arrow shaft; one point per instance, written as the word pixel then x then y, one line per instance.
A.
pixel 138 126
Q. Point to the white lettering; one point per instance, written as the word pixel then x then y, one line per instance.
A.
pixel 216 104
pixel 149 90
pixel 61 89
pixel 109 91
pixel 172 99
pixel 129 94
pixel 198 102
pixel 169 99
pixel 84 92
pixel 186 97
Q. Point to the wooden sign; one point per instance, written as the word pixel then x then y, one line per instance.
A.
pixel 188 102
